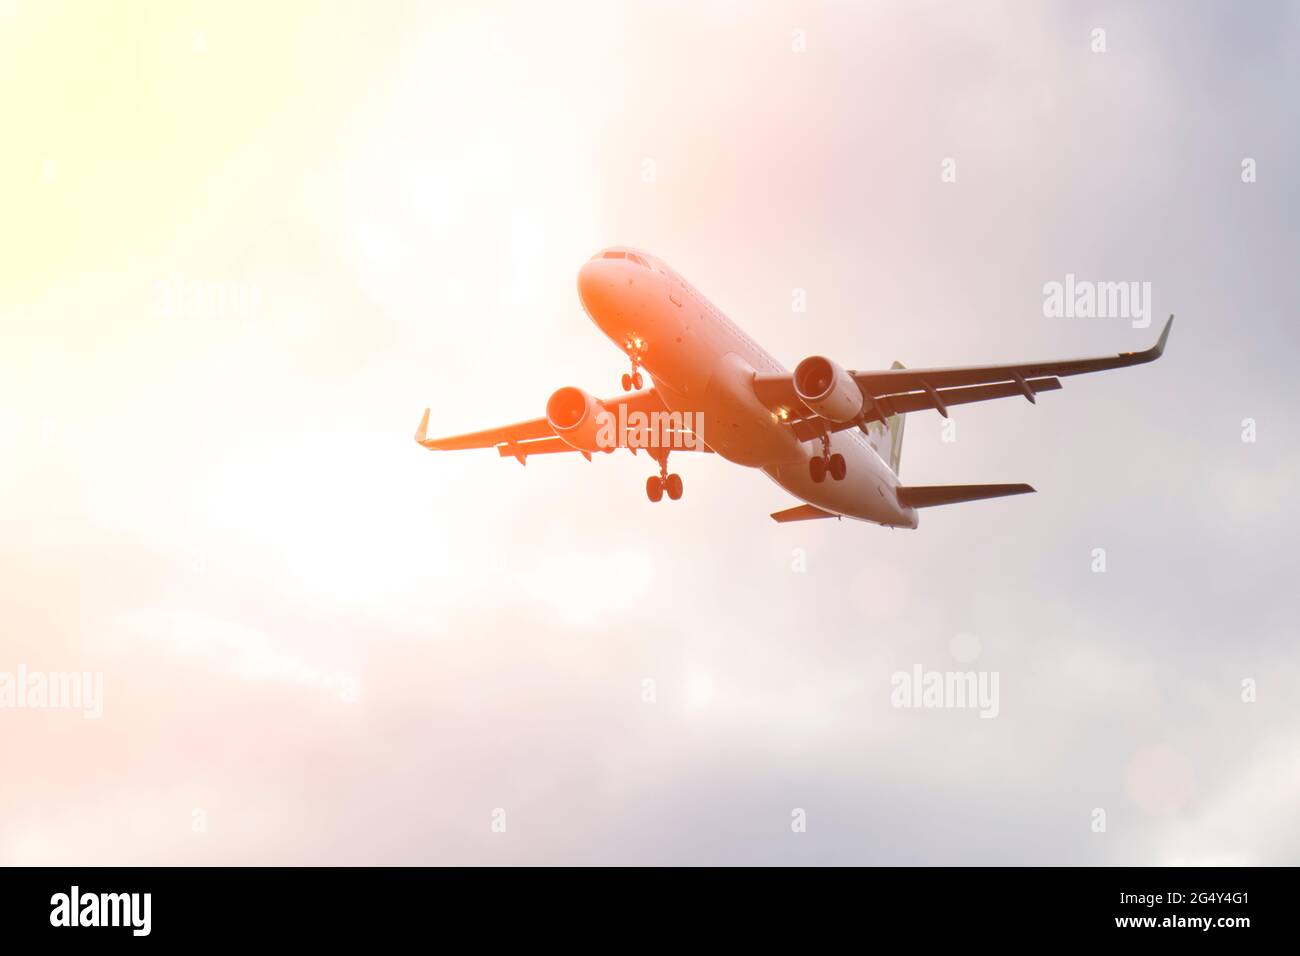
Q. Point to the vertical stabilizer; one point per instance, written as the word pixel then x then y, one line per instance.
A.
pixel 896 423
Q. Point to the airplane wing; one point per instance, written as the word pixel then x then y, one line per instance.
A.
pixel 535 436
pixel 898 389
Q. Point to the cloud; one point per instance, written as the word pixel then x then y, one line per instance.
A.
pixel 232 522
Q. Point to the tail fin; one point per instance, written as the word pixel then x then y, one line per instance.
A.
pixel 927 496
pixel 896 423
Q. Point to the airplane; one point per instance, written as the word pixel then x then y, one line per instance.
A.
pixel 717 391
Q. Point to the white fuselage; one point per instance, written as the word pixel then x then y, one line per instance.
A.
pixel 702 363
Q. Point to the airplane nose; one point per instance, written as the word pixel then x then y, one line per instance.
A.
pixel 596 288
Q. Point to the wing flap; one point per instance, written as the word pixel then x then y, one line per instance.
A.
pixel 777 391
pixel 489 437
pixel 541 446
pixel 511 438
pixel 809 428
pixel 913 379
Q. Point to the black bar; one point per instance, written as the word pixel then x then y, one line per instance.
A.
pixel 337 906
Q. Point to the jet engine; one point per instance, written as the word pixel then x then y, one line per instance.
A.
pixel 581 421
pixel 827 389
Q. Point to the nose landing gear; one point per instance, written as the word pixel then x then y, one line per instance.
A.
pixel 635 349
pixel 827 464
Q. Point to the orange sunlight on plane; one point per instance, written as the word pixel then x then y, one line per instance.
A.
pixel 715 390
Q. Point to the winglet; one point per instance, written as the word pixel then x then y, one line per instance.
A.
pixel 1159 348
pixel 1153 353
pixel 423 429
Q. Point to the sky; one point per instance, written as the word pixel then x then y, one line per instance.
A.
pixel 244 246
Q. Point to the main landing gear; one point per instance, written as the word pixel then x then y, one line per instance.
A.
pixel 635 348
pixel 827 464
pixel 656 485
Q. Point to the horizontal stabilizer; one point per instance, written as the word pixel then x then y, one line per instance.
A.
pixel 928 496
pixel 801 513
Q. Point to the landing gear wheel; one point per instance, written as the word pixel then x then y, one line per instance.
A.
pixel 636 380
pixel 654 488
pixel 837 467
pixel 627 382
pixel 817 469
pixel 673 485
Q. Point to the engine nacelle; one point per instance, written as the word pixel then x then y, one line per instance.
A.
pixel 581 421
pixel 827 389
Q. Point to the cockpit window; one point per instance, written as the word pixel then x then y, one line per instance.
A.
pixel 623 254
